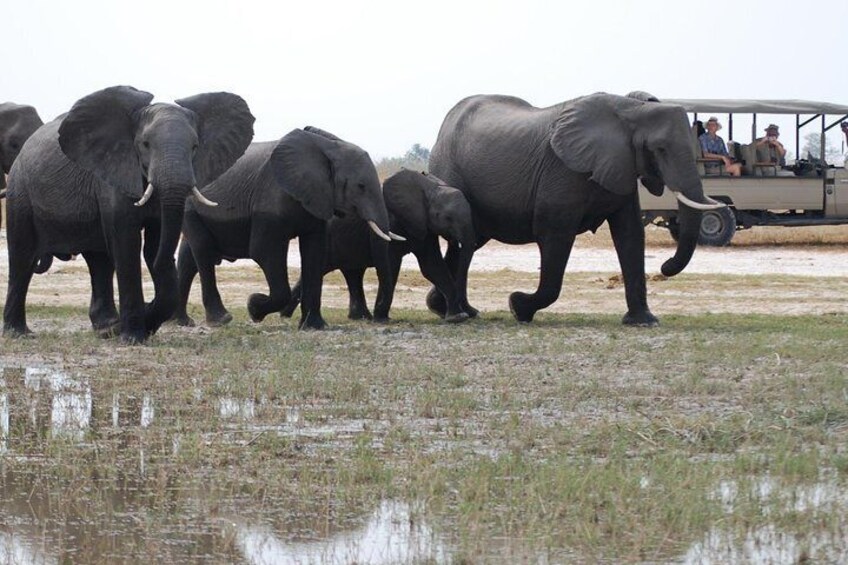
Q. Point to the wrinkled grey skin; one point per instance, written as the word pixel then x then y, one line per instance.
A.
pixel 17 123
pixel 75 188
pixel 278 191
pixel 545 175
pixel 421 209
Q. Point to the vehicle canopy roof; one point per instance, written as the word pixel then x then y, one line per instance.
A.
pixel 739 105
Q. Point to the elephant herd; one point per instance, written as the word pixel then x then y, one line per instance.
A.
pixel 119 178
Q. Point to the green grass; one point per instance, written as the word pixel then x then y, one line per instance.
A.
pixel 572 437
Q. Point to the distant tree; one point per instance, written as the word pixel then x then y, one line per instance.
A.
pixel 416 158
pixel 812 146
pixel 418 152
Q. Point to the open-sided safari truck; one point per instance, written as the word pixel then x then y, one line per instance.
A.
pixel 803 192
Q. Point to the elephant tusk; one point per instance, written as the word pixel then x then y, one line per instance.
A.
pixel 146 196
pixel 713 204
pixel 458 245
pixel 3 193
pixel 376 229
pixel 396 237
pixel 202 199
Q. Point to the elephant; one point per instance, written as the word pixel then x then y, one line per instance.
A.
pixel 17 123
pixel 78 186
pixel 421 208
pixel 278 191
pixel 545 175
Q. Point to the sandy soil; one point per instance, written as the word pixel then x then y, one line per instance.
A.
pixel 777 279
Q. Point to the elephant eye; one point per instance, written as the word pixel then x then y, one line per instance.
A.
pixel 194 149
pixel 15 145
pixel 146 144
pixel 361 186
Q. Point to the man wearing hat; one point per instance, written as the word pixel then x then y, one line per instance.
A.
pixel 776 151
pixel 713 147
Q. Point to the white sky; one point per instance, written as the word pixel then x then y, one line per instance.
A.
pixel 383 74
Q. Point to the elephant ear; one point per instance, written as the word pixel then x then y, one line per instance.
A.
pixel 406 200
pixel 646 166
pixel 301 166
pixel 224 130
pixel 98 134
pixel 590 137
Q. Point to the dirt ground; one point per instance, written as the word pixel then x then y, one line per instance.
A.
pixel 759 278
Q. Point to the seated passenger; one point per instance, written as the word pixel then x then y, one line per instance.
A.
pixel 769 149
pixel 713 148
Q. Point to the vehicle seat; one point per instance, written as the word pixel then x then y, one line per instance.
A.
pixel 763 165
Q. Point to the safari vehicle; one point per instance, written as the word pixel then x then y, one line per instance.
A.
pixel 809 192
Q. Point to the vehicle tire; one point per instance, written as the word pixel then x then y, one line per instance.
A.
pixel 717 227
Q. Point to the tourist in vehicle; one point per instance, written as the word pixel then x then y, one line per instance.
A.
pixel 713 148
pixel 770 143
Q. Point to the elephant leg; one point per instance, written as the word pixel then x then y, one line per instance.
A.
pixel 21 269
pixel 294 301
pixel 357 306
pixel 199 254
pixel 102 312
pixel 388 282
pixel 435 270
pixel 554 251
pixel 274 266
pixel 21 235
pixel 628 236
pixel 126 251
pixel 186 270
pixel 458 262
pixel 313 254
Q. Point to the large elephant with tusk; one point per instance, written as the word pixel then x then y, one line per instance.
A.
pixel 545 175
pixel 278 191
pixel 93 180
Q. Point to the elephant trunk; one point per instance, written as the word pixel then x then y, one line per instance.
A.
pixel 689 220
pixel 172 208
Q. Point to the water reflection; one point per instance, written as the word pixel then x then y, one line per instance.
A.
pixel 392 534
pixel 769 544
pixel 36 402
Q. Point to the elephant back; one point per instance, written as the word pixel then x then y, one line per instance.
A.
pixel 57 189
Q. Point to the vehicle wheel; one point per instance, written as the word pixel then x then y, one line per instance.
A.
pixel 717 227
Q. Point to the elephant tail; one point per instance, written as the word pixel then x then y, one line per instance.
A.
pixel 43 264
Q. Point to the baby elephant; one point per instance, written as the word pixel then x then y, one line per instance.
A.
pixel 278 191
pixel 421 208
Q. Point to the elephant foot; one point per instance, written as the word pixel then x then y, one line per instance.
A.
pixel 17 333
pixel 471 310
pixel 107 330
pixel 258 306
pixel 312 321
pixel 218 319
pixel 381 316
pixel 288 309
pixel 359 313
pixel 641 319
pixel 185 321
pixel 133 338
pixel 436 303
pixel 457 318
pixel 521 306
